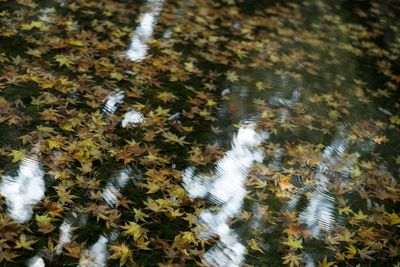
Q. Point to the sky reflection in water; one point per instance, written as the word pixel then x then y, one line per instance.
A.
pixel 144 31
pixel 97 254
pixel 225 188
pixel 24 190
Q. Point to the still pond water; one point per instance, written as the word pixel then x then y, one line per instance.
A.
pixel 199 133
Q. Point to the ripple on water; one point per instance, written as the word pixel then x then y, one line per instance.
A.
pixel 319 214
pixel 226 189
pixel 113 101
pixel 24 190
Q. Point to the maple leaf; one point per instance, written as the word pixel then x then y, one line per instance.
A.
pixel 162 112
pixel 7 255
pixel 63 60
pixel 49 115
pixel 377 140
pixel 121 252
pixel 135 230
pixel 395 119
pixel 64 195
pixel 152 188
pixel 352 250
pixel 75 42
pixel 393 217
pixel 24 243
pixel 189 66
pixel 292 259
pixel 284 183
pixel 360 216
pixel 140 215
pixel 55 209
pixel 325 263
pixel 211 102
pixel 294 243
pixel 173 213
pixel 254 246
pixel 18 155
pixel 44 223
pixel 166 97
pixel 365 253
pixel 74 250
pixel 54 144
pixel 172 138
pixel 142 244
pixel 34 52
pixel 232 76
pixel 297 231
pixel 34 24
pixel 345 210
pixel 260 85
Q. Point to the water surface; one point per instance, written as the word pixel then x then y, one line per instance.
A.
pixel 199 133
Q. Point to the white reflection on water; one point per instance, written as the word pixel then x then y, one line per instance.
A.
pixel 226 189
pixel 132 118
pixel 138 47
pixel 36 262
pixel 320 213
pixel 111 192
pixel 23 191
pixel 113 101
pixel 96 255
pixel 65 235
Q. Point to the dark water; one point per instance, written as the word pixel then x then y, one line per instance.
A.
pixel 191 133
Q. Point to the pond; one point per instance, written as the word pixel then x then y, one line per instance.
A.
pixel 199 133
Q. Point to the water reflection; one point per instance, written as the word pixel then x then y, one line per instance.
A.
pixel 138 47
pixel 111 191
pixel 65 235
pixel 320 213
pixel 132 118
pixel 36 262
pixel 278 100
pixel 225 188
pixel 113 101
pixel 24 190
pixel 96 255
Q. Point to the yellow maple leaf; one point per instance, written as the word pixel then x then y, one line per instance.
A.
pixel 254 246
pixel 260 85
pixel 75 42
pixel 63 60
pixel 352 250
pixel 135 230
pixel 294 243
pixel 292 259
pixel 24 243
pixel 325 263
pixel 173 138
pixel 121 252
pixel 18 155
pixel 395 120
pixel 393 217
pixel 34 24
pixel 166 97
pixel 232 76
